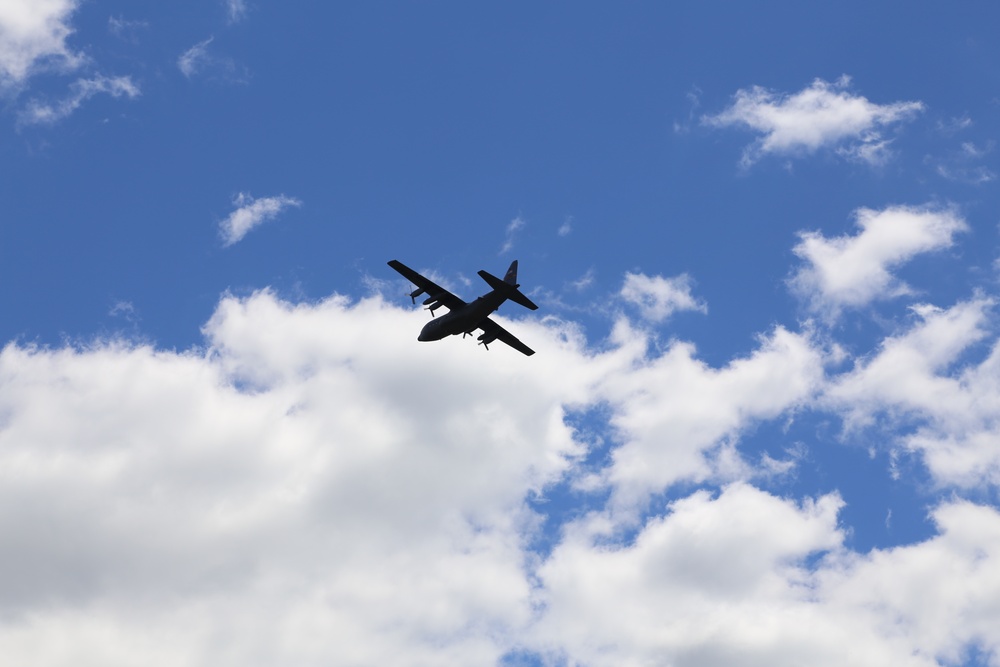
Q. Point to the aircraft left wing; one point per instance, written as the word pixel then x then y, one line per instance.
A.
pixel 493 331
pixel 436 295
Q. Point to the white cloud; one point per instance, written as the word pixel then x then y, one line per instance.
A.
pixel 820 116
pixel 566 227
pixel 707 584
pixel 961 165
pixel 936 598
pixel 657 297
pixel 315 487
pixel 948 415
pixel 584 281
pixel 81 90
pixel 250 213
pixel 727 580
pixel 513 228
pixel 199 60
pixel 851 271
pixel 127 30
pixel 679 418
pixel 33 36
pixel 236 10
pixel 194 59
pixel 333 511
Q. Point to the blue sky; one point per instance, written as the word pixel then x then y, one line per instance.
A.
pixel 761 426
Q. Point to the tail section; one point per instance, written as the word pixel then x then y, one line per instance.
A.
pixel 508 287
pixel 511 277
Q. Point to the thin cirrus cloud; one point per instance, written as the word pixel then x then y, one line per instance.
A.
pixel 822 115
pixel 33 37
pixel 251 213
pixel 851 271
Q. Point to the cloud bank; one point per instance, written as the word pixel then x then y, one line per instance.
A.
pixel 313 487
pixel 293 493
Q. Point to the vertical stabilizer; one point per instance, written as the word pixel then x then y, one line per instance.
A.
pixel 511 277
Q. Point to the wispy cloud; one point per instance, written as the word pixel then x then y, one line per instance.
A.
pixel 251 213
pixel 584 281
pixel 513 228
pixel 33 37
pixel 42 113
pixel 125 29
pixel 964 165
pixel 195 58
pixel 657 297
pixel 236 10
pixel 823 115
pixel 200 61
pixel 566 227
pixel 693 97
pixel 851 271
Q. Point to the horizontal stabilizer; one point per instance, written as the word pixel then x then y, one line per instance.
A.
pixel 517 297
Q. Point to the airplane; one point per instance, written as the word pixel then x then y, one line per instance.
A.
pixel 464 318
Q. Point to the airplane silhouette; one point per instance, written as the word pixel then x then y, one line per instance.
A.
pixel 464 318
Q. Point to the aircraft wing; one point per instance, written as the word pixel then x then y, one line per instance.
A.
pixel 493 331
pixel 436 295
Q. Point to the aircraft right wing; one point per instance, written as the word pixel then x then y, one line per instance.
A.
pixel 493 331
pixel 436 295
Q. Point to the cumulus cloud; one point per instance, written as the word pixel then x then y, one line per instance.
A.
pixel 305 500
pixel 678 418
pixel 81 90
pixel 33 36
pixel 251 213
pixel 292 493
pixel 726 580
pixel 851 271
pixel 657 298
pixel 946 414
pixel 823 115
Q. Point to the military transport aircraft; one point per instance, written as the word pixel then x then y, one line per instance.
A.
pixel 464 318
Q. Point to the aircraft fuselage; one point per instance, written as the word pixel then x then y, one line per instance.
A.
pixel 462 320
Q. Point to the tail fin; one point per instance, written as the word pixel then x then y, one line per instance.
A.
pixel 508 286
pixel 511 277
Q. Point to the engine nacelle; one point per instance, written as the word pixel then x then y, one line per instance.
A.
pixel 486 339
pixel 415 293
pixel 433 303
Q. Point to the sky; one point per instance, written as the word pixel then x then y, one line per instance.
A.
pixel 762 426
